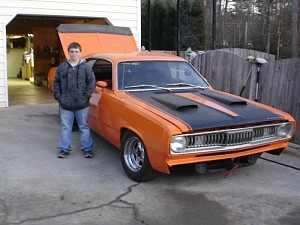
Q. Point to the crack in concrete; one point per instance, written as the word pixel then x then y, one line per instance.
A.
pixel 134 208
pixel 118 199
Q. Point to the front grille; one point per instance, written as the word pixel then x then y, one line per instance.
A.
pixel 232 138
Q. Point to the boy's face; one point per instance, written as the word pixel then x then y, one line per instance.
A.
pixel 74 54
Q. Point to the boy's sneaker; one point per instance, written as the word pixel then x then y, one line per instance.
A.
pixel 88 154
pixel 62 154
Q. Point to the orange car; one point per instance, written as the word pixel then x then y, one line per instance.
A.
pixel 161 113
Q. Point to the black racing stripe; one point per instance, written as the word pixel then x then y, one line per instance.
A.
pixel 199 116
pixel 242 108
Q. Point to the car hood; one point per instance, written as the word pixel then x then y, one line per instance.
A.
pixel 207 108
pixel 96 38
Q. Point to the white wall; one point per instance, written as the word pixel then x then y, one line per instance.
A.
pixel 14 61
pixel 119 12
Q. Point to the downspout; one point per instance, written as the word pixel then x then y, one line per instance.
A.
pixel 5 64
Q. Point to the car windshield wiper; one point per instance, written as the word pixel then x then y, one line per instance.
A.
pixel 185 85
pixel 146 86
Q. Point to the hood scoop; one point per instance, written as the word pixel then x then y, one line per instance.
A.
pixel 175 102
pixel 228 100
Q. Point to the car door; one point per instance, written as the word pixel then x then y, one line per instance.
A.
pixel 100 115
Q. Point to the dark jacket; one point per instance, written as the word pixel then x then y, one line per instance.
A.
pixel 73 86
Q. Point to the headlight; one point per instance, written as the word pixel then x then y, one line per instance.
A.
pixel 285 130
pixel 178 144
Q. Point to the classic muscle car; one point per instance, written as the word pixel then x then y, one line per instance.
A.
pixel 161 113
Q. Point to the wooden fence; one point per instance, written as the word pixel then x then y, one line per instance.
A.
pixel 247 52
pixel 228 70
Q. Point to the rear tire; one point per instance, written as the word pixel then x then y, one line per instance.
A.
pixel 135 160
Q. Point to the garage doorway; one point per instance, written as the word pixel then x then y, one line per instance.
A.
pixel 33 47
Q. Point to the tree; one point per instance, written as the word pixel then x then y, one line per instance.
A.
pixel 145 24
pixel 294 28
pixel 158 16
pixel 169 28
pixel 267 25
pixel 164 27
pixel 197 29
pixel 263 25
pixel 192 25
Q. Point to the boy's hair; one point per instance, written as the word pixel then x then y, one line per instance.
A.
pixel 74 45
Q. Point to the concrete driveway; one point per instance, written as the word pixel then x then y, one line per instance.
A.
pixel 39 189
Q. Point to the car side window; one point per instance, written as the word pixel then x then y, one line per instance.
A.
pixel 103 71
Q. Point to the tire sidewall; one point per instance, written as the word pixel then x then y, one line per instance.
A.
pixel 146 173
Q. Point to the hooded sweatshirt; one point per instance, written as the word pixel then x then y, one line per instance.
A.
pixel 74 85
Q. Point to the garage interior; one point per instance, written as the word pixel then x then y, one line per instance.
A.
pixel 33 47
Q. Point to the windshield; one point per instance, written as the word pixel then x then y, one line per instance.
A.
pixel 133 75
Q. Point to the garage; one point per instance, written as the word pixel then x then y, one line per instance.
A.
pixel 29 44
pixel 33 48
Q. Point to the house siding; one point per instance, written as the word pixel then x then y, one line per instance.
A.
pixel 3 73
pixel 118 12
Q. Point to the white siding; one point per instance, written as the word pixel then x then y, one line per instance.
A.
pixel 3 73
pixel 119 12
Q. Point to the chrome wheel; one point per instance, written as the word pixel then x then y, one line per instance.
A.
pixel 134 154
pixel 135 159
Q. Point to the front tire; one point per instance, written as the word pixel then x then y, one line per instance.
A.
pixel 135 160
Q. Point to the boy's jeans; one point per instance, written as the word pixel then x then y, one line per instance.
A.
pixel 67 120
